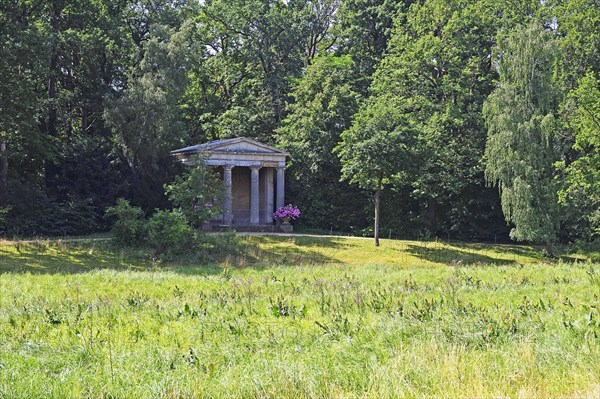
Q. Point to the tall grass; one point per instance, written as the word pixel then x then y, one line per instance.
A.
pixel 334 329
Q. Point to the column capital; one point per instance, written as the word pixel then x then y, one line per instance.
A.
pixel 228 167
pixel 255 167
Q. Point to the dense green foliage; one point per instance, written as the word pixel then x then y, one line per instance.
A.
pixel 341 327
pixel 94 94
pixel 129 226
pixel 583 173
pixel 325 102
pixel 197 196
pixel 521 148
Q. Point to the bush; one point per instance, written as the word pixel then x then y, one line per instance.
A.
pixel 129 227
pixel 169 232
pixel 70 217
pixel 199 193
pixel 32 213
pixel 587 247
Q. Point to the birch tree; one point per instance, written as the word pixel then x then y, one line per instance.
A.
pixel 521 147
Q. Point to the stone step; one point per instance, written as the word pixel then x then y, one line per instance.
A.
pixel 270 228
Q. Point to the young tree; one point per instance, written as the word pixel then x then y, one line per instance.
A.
pixel 376 150
pixel 199 193
pixel 521 148
pixel 438 66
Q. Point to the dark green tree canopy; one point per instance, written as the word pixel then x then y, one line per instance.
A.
pixel 95 93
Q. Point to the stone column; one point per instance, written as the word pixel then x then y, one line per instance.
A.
pixel 280 187
pixel 269 195
pixel 227 205
pixel 254 195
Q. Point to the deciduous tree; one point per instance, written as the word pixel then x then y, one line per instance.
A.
pixel 323 107
pixel 376 150
pixel 521 147
pixel 438 67
pixel 583 173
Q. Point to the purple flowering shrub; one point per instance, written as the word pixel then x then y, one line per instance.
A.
pixel 288 212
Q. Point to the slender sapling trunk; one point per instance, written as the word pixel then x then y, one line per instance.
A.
pixel 377 196
pixel 3 174
pixel 549 249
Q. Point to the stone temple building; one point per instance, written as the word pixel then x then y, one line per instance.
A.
pixel 253 173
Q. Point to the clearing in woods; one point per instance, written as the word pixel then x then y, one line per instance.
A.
pixel 298 317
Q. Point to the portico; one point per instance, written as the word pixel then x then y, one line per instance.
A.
pixel 254 177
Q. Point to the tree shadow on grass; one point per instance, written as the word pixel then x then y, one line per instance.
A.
pixel 303 241
pixel 279 251
pixel 56 257
pixel 513 250
pixel 470 254
pixel 532 252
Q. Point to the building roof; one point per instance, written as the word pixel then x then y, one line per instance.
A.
pixel 239 145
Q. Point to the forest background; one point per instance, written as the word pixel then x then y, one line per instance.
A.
pixel 473 119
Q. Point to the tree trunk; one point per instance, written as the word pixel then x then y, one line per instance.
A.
pixel 549 249
pixel 50 168
pixel 377 200
pixel 3 174
pixel 431 215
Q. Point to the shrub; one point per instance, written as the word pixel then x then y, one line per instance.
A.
pixel 70 217
pixel 169 232
pixel 129 227
pixel 32 213
pixel 199 193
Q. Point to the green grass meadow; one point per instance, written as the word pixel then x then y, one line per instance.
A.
pixel 298 317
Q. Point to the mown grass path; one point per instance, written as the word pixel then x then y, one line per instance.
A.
pixel 352 322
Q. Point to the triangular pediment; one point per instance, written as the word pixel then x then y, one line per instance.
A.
pixel 239 145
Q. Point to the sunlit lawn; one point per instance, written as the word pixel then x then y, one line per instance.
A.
pixel 298 317
pixel 69 257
